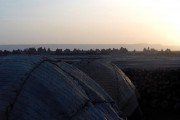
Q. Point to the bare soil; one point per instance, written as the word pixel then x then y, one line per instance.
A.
pixel 158 82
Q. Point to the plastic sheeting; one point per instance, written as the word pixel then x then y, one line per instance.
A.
pixel 114 81
pixel 35 89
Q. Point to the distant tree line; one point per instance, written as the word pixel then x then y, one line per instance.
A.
pixel 48 51
pixel 58 51
pixel 154 51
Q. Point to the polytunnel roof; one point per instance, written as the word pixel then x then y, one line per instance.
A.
pixel 113 80
pixel 33 88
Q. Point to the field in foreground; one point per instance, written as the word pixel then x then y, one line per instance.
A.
pixel 158 81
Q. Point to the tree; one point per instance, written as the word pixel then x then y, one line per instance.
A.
pixel 58 51
pixel 76 51
pixel 90 52
pixel 167 51
pixel 6 52
pixel 123 50
pixel 49 50
pixel 67 51
pixel 17 51
pixel 1 52
pixel 144 50
pixel 30 51
pixel 41 50
pixel 97 51
pixel 104 52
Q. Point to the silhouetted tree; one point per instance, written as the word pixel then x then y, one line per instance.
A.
pixel 123 50
pixel 104 52
pixel 6 52
pixel 1 52
pixel 144 50
pixel 17 51
pixel 30 51
pixel 97 51
pixel 167 51
pixel 90 52
pixel 41 50
pixel 49 51
pixel 58 51
pixel 76 51
pixel 67 51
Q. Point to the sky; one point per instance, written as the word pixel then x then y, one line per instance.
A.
pixel 90 22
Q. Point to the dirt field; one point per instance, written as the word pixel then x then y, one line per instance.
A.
pixel 158 82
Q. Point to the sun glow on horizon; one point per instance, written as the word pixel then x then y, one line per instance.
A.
pixel 168 13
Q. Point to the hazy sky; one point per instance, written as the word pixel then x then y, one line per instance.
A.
pixel 90 21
